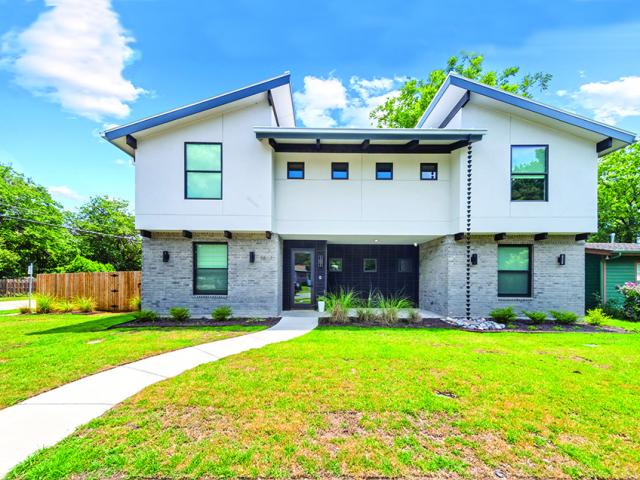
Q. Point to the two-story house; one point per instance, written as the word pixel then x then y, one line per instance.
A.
pixel 486 203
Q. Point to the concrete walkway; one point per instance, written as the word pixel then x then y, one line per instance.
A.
pixel 15 304
pixel 45 419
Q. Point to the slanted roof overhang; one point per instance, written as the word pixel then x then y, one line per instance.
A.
pixel 452 93
pixel 367 140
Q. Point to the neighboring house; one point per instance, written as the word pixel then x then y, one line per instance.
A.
pixel 231 196
pixel 607 266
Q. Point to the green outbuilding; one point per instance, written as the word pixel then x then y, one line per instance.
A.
pixel 607 266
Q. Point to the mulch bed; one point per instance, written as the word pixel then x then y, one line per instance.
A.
pixel 402 323
pixel 199 322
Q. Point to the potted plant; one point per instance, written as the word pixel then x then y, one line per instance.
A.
pixel 321 304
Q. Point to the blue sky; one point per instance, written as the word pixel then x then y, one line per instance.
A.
pixel 68 68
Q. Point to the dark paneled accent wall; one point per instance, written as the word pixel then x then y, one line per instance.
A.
pixel 388 280
pixel 320 247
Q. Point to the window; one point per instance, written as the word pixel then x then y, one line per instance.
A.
pixel 335 264
pixel 370 265
pixel 405 265
pixel 514 270
pixel 203 171
pixel 428 171
pixel 295 170
pixel 529 174
pixel 339 170
pixel 210 272
pixel 384 171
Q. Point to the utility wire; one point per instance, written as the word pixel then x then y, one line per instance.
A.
pixel 71 229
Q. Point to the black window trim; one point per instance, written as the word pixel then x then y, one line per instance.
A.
pixel 364 261
pixel 546 172
pixel 291 164
pixel 423 164
pixel 195 269
pixel 186 197
pixel 336 164
pixel 329 265
pixel 529 293
pixel 380 164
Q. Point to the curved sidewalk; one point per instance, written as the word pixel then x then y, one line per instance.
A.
pixel 45 419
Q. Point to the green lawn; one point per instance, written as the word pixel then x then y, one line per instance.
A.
pixel 11 299
pixel 378 402
pixel 39 352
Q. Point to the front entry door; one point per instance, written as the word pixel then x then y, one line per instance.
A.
pixel 303 291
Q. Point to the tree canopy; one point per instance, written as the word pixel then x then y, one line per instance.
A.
pixel 404 110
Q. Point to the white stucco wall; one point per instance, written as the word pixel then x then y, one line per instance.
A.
pixel 247 195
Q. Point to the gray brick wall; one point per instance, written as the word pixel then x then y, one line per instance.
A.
pixel 254 288
pixel 442 283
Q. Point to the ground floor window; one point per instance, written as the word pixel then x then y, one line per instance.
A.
pixel 514 270
pixel 210 271
pixel 370 265
pixel 335 264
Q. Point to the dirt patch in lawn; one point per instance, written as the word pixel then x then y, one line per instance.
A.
pixel 402 323
pixel 522 326
pixel 199 322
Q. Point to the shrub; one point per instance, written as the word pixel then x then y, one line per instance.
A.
pixel 83 264
pixel 180 313
pixel 85 304
pixel 365 315
pixel 414 316
pixel 631 305
pixel 505 314
pixel 135 303
pixel 64 306
pixel 222 313
pixel 148 315
pixel 535 317
pixel 564 317
pixel 44 303
pixel 25 310
pixel 596 316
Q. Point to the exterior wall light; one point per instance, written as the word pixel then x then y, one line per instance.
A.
pixel 165 256
pixel 252 257
pixel 474 259
pixel 562 259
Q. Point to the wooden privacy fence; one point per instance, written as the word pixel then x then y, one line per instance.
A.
pixel 112 291
pixel 14 286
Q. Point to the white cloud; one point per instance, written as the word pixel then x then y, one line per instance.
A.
pixel 562 93
pixel 74 54
pixel 122 162
pixel 62 191
pixel 329 103
pixel 611 101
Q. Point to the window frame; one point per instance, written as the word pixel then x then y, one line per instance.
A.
pixel 186 171
pixel 529 293
pixel 424 164
pixel 546 171
pixel 364 261
pixel 378 165
pixel 335 164
pixel 289 165
pixel 329 265
pixel 195 269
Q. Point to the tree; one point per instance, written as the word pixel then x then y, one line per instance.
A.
pixel 619 195
pixel 109 216
pixel 31 227
pixel 404 110
pixel 83 264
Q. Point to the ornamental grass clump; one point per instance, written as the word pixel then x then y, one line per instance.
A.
pixel 414 316
pixel 85 304
pixel 365 315
pixel 44 303
pixel 135 303
pixel 64 306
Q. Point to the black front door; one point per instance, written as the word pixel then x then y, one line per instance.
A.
pixel 303 291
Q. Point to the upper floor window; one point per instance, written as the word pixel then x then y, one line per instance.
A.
pixel 295 170
pixel 203 170
pixel 339 170
pixel 514 270
pixel 529 172
pixel 384 171
pixel 428 171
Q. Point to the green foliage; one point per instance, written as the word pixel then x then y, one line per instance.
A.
pixel 109 215
pixel 180 313
pixel 596 316
pixel 25 310
pixel 505 314
pixel 345 298
pixel 414 316
pixel 63 306
pixel 365 315
pixel 222 313
pixel 619 195
pixel 564 317
pixel 135 303
pixel 393 301
pixel 83 264
pixel 85 304
pixel 339 313
pixel 44 303
pixel 631 305
pixel 535 317
pixel 148 315
pixel 404 110
pixel 389 315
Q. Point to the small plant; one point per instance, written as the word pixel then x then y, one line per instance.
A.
pixel 396 302
pixel 222 313
pixel 257 319
pixel 339 314
pixel 596 316
pixel 564 317
pixel 25 310
pixel 85 304
pixel 389 315
pixel 505 314
pixel 557 328
pixel 536 317
pixel 44 303
pixel 532 327
pixel 511 326
pixel 148 315
pixel 180 313
pixel 365 315
pixel 135 303
pixel 64 306
pixel 414 316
